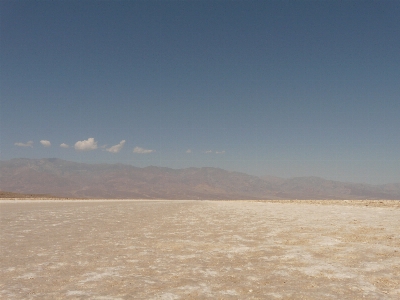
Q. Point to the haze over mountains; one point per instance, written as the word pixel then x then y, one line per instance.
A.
pixel 71 179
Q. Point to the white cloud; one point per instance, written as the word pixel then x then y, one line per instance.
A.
pixel 188 151
pixel 63 145
pixel 28 144
pixel 208 151
pixel 45 143
pixel 116 148
pixel 142 151
pixel 86 145
pixel 220 152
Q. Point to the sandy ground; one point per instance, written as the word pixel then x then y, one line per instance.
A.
pixel 198 250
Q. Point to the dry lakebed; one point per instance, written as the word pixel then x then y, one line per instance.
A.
pixel 141 249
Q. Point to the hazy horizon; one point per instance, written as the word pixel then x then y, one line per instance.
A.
pixel 266 176
pixel 280 88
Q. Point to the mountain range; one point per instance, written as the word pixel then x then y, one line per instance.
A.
pixel 72 179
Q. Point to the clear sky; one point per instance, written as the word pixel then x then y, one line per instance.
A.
pixel 284 88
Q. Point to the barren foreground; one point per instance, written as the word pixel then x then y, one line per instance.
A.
pixel 198 250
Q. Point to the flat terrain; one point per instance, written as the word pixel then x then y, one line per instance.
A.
pixel 199 250
pixel 11 195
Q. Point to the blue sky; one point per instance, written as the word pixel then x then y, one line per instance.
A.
pixel 284 88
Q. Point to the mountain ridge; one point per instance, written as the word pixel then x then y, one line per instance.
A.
pixel 73 179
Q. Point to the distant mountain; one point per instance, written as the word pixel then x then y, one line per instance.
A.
pixel 70 179
pixel 318 188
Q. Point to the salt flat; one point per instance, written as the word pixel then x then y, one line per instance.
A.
pixel 198 250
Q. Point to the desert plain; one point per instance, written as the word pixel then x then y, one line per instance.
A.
pixel 142 249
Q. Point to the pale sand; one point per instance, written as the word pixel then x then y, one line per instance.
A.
pixel 74 249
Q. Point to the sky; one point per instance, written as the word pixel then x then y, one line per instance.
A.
pixel 282 88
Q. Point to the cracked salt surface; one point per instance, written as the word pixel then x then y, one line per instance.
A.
pixel 197 250
pixel 76 293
